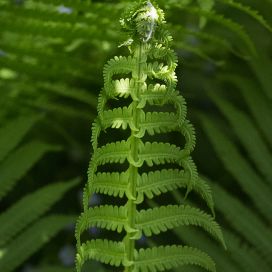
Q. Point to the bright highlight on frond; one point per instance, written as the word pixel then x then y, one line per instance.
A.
pixel 153 12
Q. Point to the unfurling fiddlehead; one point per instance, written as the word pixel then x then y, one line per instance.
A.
pixel 144 80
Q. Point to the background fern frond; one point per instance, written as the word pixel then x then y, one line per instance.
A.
pixel 31 240
pixel 247 177
pixel 13 132
pixel 28 209
pixel 19 162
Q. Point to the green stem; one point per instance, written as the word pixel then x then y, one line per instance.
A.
pixel 133 170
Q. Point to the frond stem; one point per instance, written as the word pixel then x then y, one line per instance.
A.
pixel 133 170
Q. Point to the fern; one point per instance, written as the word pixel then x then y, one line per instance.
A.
pixel 248 135
pixel 256 102
pixel 251 12
pixel 247 257
pixel 30 208
pixel 148 77
pixel 16 165
pixel 248 178
pixel 18 238
pixel 228 23
pixel 249 226
pixel 31 240
pixel 13 132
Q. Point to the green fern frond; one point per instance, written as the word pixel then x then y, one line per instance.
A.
pixel 154 221
pixel 228 23
pixel 29 208
pixel 199 53
pixel 244 255
pixel 248 134
pixel 118 117
pixel 108 252
pixel 19 162
pixel 122 65
pixel 239 167
pixel 107 217
pixel 205 5
pixel 165 258
pixel 31 240
pixel 155 183
pixel 251 12
pixel 112 153
pixel 249 226
pixel 158 122
pixel 144 79
pixel 204 190
pixel 261 68
pixel 195 237
pixel 13 132
pixel 256 101
pixel 160 153
pixel 112 184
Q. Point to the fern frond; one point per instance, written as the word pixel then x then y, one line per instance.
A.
pixel 196 238
pixel 108 252
pixel 251 12
pixel 107 217
pixel 216 41
pixel 121 88
pixel 249 226
pixel 118 117
pixel 28 209
pixel 31 240
pixel 112 153
pixel 70 92
pixel 206 5
pixel 163 72
pixel 146 76
pixel 164 53
pixel 118 65
pixel 154 94
pixel 160 153
pixel 54 29
pixel 13 132
pixel 248 258
pixel 248 134
pixel 112 184
pixel 198 52
pixel 96 129
pixel 256 101
pixel 239 167
pixel 158 122
pixel 155 183
pixel 165 258
pixel 154 221
pixel 228 23
pixel 204 190
pixel 19 163
pixel 188 131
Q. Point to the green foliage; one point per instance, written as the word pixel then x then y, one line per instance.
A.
pixel 51 56
pixel 31 240
pixel 140 72
pixel 22 233
pixel 30 208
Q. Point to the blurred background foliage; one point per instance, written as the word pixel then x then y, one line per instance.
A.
pixel 52 54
